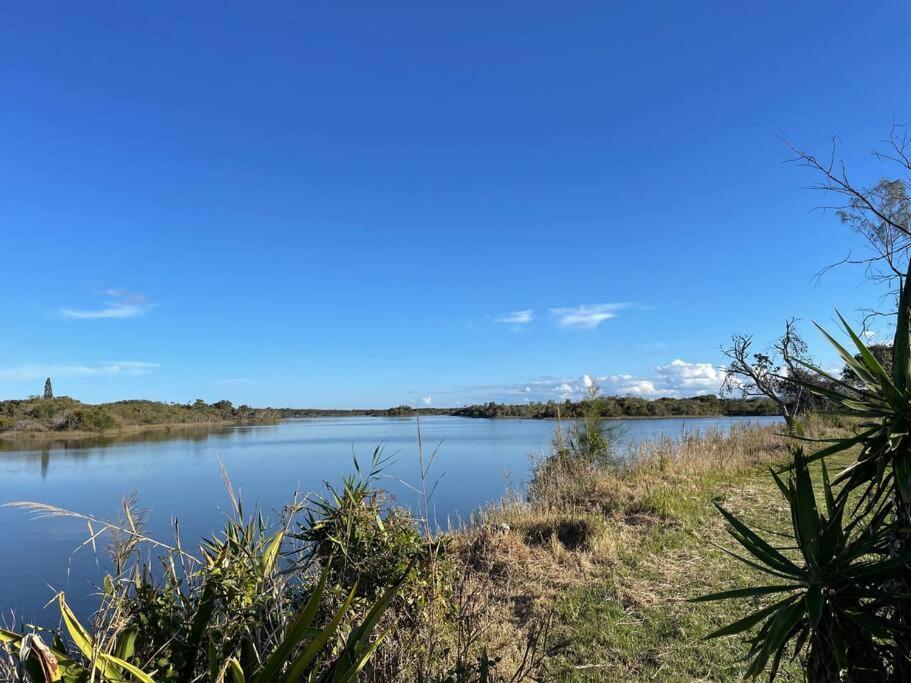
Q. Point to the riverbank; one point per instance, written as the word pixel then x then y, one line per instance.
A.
pixel 609 559
pixel 587 579
pixel 36 418
pixel 584 579
pixel 150 432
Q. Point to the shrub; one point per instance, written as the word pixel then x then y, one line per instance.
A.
pixel 90 419
pixel 372 541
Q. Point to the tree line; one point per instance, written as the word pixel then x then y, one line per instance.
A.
pixel 604 406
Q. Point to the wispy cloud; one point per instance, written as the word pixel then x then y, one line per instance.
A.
pixel 120 304
pixel 427 400
pixel 33 371
pixel 586 316
pixel 517 317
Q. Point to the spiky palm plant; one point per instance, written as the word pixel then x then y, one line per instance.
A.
pixel 847 572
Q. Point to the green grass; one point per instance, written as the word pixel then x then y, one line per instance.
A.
pixel 632 622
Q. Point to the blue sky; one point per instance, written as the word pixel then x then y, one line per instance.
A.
pixel 367 204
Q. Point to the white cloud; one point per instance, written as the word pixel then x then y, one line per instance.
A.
pixel 675 379
pixel 869 335
pixel 627 385
pixel 690 378
pixel 678 378
pixel 120 304
pixel 517 317
pixel 586 316
pixel 109 369
pixel 427 400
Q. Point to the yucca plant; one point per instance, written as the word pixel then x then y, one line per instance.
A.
pixel 831 582
pixel 848 575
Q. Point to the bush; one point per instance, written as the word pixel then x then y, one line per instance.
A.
pixel 567 478
pixel 90 420
pixel 370 541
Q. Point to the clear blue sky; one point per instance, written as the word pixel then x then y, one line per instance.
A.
pixel 366 204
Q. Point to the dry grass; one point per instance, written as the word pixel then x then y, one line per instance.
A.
pixel 612 553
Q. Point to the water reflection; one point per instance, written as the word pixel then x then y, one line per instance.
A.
pixel 39 452
pixel 152 434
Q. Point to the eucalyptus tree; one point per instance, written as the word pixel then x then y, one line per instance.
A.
pixel 772 372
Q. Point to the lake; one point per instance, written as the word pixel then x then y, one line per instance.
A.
pixel 178 473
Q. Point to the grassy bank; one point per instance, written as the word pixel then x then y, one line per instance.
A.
pixel 584 580
pixel 37 416
pixel 612 555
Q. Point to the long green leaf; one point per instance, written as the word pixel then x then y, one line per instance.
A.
pixel 751 619
pixel 303 661
pixel 814 605
pixel 780 630
pixel 271 554
pixel 359 638
pixel 755 565
pixel 137 673
pixel 198 626
pixel 859 368
pixel 353 670
pixel 237 672
pixel 745 592
pixel 873 365
pixel 901 466
pixel 84 642
pixel 299 629
pixel 757 545
pixel 838 447
pixel 126 643
pixel 806 514
pixel 901 345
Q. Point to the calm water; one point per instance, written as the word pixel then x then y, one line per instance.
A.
pixel 178 474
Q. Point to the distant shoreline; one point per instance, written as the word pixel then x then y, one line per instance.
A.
pixel 48 419
pixel 50 435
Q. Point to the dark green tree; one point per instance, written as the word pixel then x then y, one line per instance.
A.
pixel 48 389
